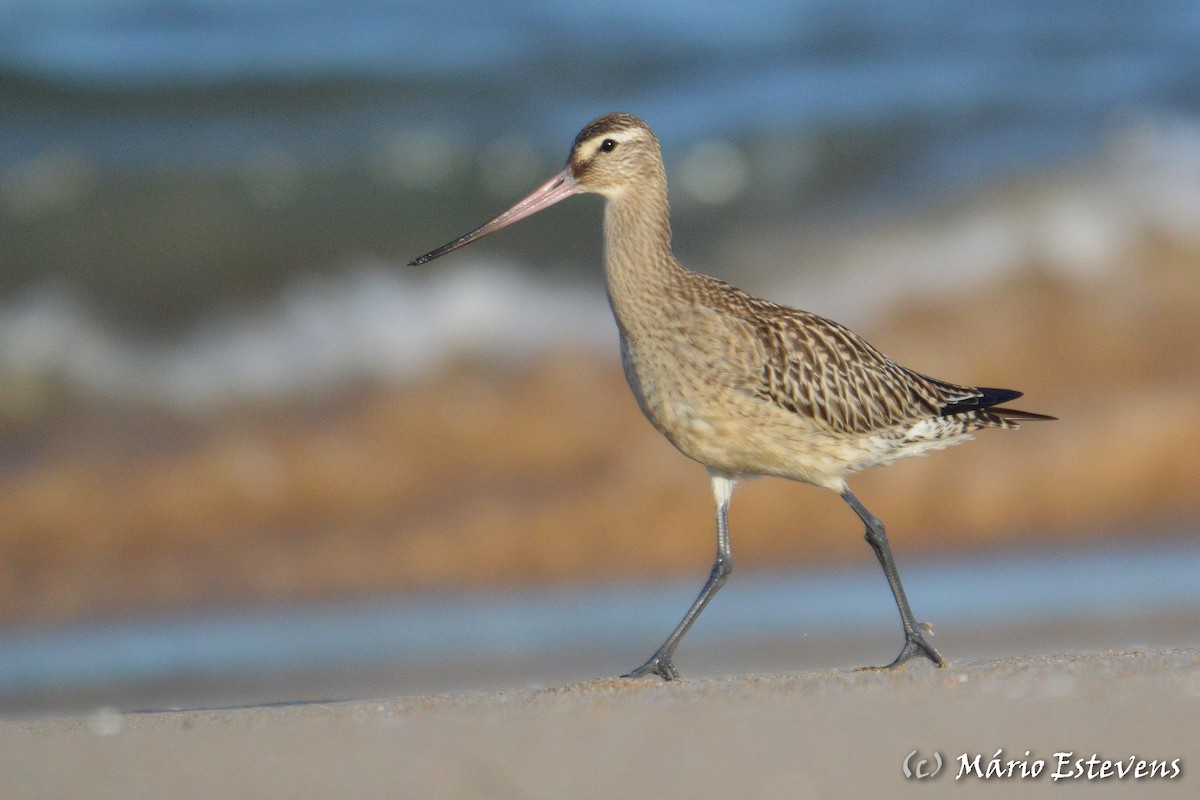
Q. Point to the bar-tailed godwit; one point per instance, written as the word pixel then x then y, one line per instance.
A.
pixel 744 386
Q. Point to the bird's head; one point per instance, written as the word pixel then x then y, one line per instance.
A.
pixel 610 155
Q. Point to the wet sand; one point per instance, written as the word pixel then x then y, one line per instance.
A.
pixel 832 733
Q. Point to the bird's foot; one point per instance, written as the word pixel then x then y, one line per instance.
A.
pixel 659 664
pixel 914 645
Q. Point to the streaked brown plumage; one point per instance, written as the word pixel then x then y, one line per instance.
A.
pixel 742 385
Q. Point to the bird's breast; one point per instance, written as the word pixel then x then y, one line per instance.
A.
pixel 684 385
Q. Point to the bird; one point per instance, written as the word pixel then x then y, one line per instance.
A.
pixel 744 386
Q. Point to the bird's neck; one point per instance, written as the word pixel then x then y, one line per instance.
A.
pixel 639 266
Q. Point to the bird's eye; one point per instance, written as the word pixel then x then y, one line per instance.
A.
pixel 608 145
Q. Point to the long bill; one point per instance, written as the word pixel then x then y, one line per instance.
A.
pixel 560 187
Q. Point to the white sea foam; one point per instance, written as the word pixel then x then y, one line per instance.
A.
pixel 375 321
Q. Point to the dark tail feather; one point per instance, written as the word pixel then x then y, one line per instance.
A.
pixel 987 399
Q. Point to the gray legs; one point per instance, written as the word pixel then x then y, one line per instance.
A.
pixel 914 632
pixel 660 663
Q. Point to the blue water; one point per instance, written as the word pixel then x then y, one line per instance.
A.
pixel 1133 579
pixel 984 80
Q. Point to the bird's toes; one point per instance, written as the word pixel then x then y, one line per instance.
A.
pixel 657 665
pixel 914 645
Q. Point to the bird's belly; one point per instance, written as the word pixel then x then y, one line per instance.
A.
pixel 725 428
pixel 713 423
pixel 750 445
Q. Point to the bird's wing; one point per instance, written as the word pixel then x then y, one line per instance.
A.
pixel 819 369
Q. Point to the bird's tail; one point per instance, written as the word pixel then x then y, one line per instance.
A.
pixel 985 402
pixel 1006 417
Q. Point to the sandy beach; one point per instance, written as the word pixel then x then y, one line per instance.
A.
pixel 831 734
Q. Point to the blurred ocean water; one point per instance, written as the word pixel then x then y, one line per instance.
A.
pixel 210 199
pixel 1104 597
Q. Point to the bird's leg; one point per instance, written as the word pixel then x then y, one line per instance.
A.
pixel 660 663
pixel 914 632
